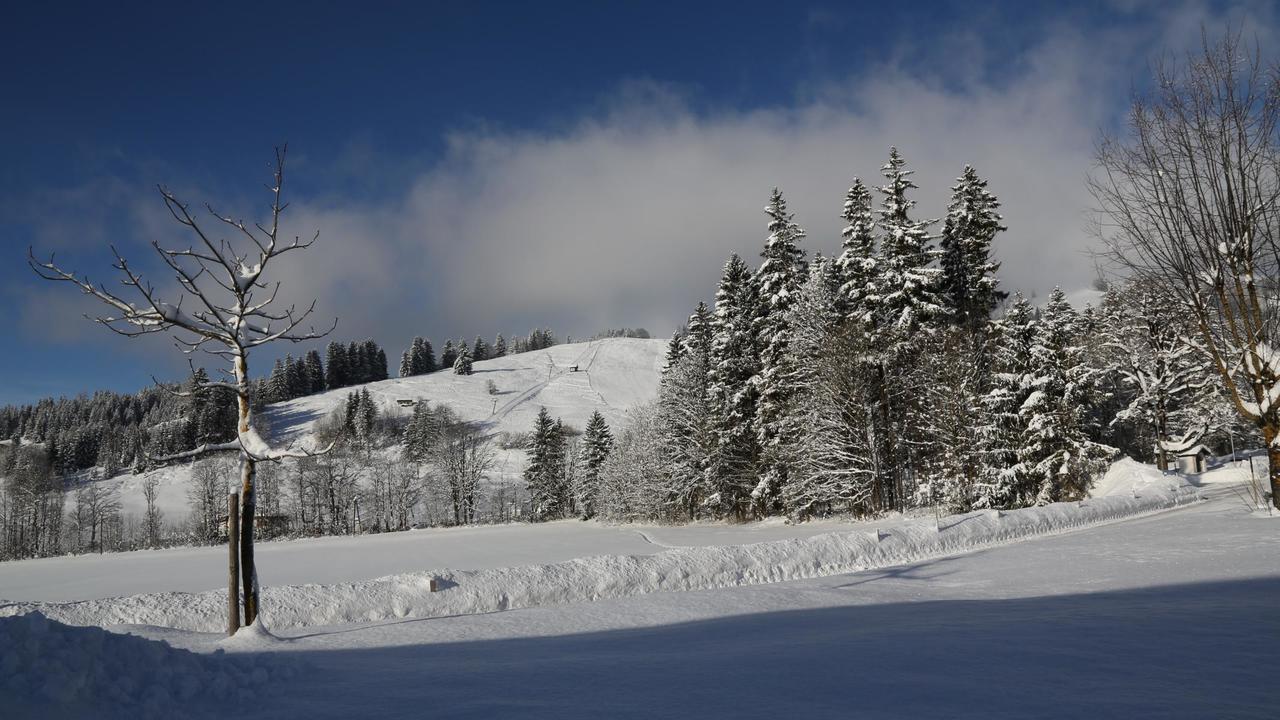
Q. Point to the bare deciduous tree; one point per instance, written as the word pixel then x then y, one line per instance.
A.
pixel 224 306
pixel 1188 203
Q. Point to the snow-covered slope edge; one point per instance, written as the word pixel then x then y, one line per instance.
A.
pixel 611 576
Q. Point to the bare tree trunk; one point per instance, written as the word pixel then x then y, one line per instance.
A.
pixel 233 568
pixel 248 572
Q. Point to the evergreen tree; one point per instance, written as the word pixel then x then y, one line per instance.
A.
pixel 335 367
pixel 684 422
pixel 734 362
pixel 357 364
pixel 968 280
pixel 480 349
pixel 675 348
pixel 857 263
pixel 910 283
pixel 278 383
pixel 1056 459
pixel 1002 428
pixel 462 364
pixel 777 281
pixel 314 372
pixel 448 354
pixel 544 473
pixel 426 357
pixel 407 366
pixel 597 441
pixel 499 346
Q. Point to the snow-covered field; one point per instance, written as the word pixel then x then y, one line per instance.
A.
pixel 613 375
pixel 1159 605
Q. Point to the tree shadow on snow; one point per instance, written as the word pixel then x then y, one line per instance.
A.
pixel 1182 651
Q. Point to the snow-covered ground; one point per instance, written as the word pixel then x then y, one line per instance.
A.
pixel 1168 614
pixel 613 376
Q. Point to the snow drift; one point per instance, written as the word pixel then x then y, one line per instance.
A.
pixel 48 669
pixel 1140 491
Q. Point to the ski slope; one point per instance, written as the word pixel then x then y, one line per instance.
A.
pixel 613 376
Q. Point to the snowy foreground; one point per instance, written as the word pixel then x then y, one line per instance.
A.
pixel 1162 605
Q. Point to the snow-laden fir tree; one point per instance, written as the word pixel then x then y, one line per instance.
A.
pixel 424 356
pixel 462 363
pixel 857 262
pixel 735 360
pixel 1056 457
pixel 1000 435
pixel 544 473
pixel 335 366
pixel 406 363
pixel 480 349
pixel 675 348
pixel 314 373
pixel 597 441
pixel 499 346
pixel 777 282
pixel 969 283
pixel 908 278
pixel 448 354
pixel 684 421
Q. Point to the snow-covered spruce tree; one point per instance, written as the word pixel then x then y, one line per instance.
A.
pixel 462 363
pixel 957 364
pixel 777 282
pixel 1000 435
pixel 857 263
pixel 406 362
pixel 448 354
pixel 314 371
pixel 1056 458
pixel 675 348
pixel 828 448
pixel 544 473
pixel 425 357
pixel 969 284
pixel 735 360
pixel 335 366
pixel 684 421
pixel 499 346
pixel 597 441
pixel 220 311
pixel 480 349
pixel 898 311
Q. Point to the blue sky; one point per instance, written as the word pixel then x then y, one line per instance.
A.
pixel 485 167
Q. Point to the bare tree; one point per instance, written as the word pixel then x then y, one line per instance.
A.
pixel 151 521
pixel 1188 203
pixel 224 306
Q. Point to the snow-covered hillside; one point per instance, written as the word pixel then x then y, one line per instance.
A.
pixel 613 375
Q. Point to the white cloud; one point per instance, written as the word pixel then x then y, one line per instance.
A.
pixel 626 216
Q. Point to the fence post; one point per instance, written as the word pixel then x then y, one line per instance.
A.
pixel 233 568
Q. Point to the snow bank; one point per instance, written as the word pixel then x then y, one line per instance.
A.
pixel 611 576
pixel 48 669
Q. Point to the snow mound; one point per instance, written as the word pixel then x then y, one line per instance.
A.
pixel 255 636
pixel 48 669
pixel 612 576
pixel 1128 477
